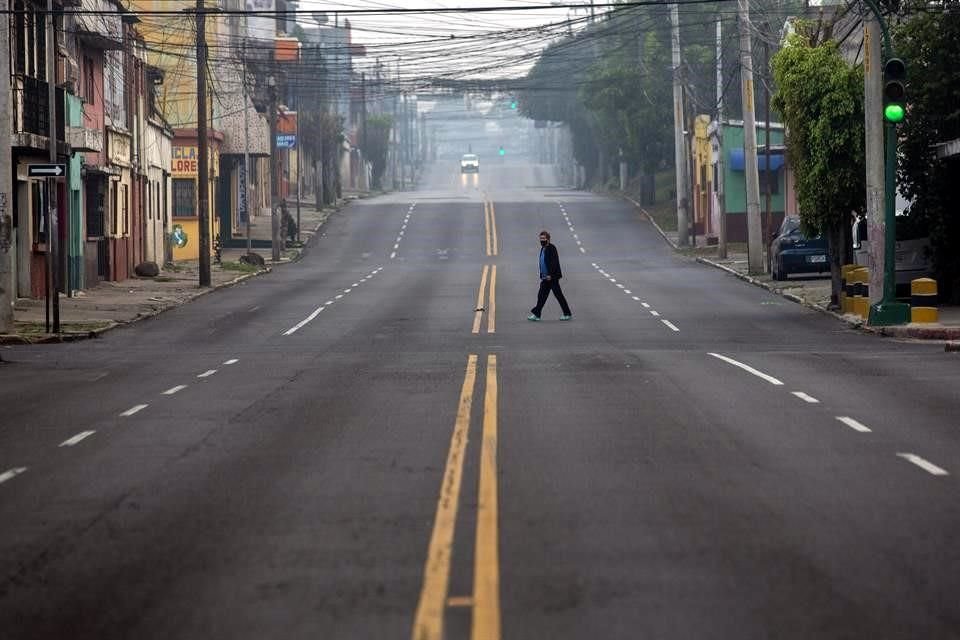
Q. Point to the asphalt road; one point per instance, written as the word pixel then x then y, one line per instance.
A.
pixel 347 448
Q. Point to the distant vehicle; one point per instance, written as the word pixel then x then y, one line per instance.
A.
pixel 792 252
pixel 469 163
pixel 912 259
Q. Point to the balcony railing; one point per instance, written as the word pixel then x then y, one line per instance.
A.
pixel 31 108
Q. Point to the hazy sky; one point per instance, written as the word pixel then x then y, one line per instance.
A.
pixel 453 44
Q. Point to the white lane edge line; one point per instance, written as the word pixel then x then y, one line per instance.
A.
pixel 10 474
pixel 853 424
pixel 173 390
pixel 747 368
pixel 670 325
pixel 207 373
pixel 926 465
pixel 83 435
pixel 134 409
pixel 805 397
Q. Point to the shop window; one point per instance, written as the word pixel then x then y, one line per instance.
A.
pixel 184 198
pixel 773 179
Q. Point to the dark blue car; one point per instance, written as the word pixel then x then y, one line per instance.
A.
pixel 793 252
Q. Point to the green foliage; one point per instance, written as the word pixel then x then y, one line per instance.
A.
pixel 821 99
pixel 929 42
pixel 377 143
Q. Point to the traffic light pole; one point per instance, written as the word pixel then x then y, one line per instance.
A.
pixel 888 311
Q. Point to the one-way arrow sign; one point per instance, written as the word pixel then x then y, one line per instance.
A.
pixel 46 170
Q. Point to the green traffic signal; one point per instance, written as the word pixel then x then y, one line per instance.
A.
pixel 502 152
pixel 894 90
pixel 894 113
pixel 513 105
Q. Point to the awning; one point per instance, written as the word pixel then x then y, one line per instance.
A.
pixel 776 159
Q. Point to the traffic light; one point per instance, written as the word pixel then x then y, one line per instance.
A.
pixel 894 90
pixel 513 104
pixel 502 152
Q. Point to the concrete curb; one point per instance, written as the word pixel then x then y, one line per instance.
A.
pixel 650 219
pixel 914 332
pixel 53 338
pixel 17 339
pixel 853 321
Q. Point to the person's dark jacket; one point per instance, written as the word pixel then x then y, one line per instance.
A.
pixel 552 258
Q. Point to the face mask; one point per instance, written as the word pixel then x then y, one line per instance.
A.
pixel 543 243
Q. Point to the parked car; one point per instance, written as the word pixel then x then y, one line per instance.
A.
pixel 792 252
pixel 469 163
pixel 912 259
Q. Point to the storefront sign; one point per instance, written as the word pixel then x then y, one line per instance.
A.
pixel 184 162
pixel 118 148
pixel 286 141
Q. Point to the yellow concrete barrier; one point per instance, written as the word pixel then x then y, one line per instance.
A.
pixel 923 300
pixel 861 300
pixel 846 288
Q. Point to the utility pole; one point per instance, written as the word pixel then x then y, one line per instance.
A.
pixel 874 152
pixel 679 155
pixel 274 173
pixel 53 211
pixel 7 285
pixel 246 149
pixel 767 186
pixel 403 141
pixel 722 241
pixel 203 164
pixel 754 232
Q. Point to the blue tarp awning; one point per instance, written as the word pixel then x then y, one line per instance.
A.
pixel 776 160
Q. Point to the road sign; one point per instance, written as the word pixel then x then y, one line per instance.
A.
pixel 46 170
pixel 286 140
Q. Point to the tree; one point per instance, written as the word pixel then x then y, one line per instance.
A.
pixel 929 42
pixel 378 141
pixel 821 99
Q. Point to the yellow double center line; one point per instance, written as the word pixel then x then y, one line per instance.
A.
pixel 434 596
pixel 491 306
pixel 490 227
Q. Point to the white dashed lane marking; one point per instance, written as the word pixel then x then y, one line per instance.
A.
pixel 926 465
pixel 10 474
pixel 207 373
pixel 231 361
pixel 670 325
pixel 316 312
pixel 747 368
pixel 173 390
pixel 83 435
pixel 853 424
pixel 137 408
pixel 806 398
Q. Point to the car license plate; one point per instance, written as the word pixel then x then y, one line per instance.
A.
pixel 816 258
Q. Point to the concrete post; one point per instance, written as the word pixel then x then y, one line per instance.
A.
pixel 679 148
pixel 7 285
pixel 874 151
pixel 754 231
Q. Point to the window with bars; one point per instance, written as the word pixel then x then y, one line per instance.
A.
pixel 184 198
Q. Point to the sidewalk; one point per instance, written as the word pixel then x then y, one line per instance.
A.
pixel 112 304
pixel 812 291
